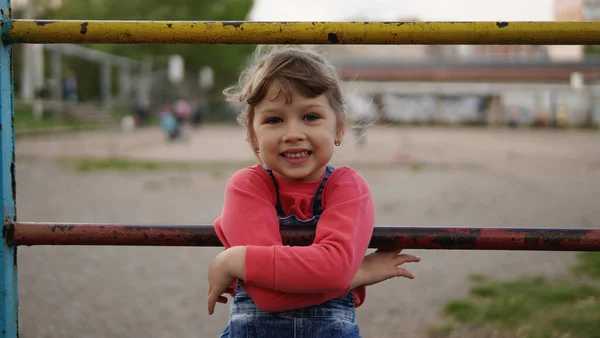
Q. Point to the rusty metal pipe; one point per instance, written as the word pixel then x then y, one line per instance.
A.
pixel 246 32
pixel 448 238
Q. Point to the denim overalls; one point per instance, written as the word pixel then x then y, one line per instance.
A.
pixel 333 318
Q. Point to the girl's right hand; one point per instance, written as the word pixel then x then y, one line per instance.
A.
pixel 382 265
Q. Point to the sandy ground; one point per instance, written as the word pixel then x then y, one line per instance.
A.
pixel 465 177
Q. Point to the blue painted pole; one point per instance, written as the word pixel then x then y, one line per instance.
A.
pixel 8 253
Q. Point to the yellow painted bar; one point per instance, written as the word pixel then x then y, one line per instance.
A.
pixel 249 32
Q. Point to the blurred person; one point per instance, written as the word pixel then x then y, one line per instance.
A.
pixel 140 113
pixel 169 123
pixel 70 87
pixel 513 118
pixel 183 111
pixel 198 115
pixel 561 116
pixel 70 93
pixel 294 118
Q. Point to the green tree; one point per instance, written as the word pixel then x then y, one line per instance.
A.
pixel 591 49
pixel 226 60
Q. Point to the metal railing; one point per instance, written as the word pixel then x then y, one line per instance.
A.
pixel 137 32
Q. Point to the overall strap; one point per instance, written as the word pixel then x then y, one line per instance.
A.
pixel 317 208
pixel 278 205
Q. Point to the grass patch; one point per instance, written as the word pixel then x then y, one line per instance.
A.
pixel 152 185
pixel 588 263
pixel 441 331
pixel 86 165
pixel 532 307
pixel 478 278
pixel 25 121
pixel 417 167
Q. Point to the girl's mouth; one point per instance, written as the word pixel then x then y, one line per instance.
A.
pixel 299 154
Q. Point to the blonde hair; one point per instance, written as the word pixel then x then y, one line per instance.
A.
pixel 293 68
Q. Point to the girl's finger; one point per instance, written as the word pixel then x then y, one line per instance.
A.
pixel 401 259
pixel 211 304
pixel 404 273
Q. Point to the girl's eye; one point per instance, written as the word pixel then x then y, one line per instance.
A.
pixel 311 117
pixel 273 120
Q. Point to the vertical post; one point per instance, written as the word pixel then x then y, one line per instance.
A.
pixel 124 84
pixel 144 85
pixel 57 73
pixel 553 108
pixel 8 253
pixel 28 74
pixel 105 84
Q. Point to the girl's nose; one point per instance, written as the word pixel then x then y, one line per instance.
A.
pixel 294 133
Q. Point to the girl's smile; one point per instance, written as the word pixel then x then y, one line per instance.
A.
pixel 294 139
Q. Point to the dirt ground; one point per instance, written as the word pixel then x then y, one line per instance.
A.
pixel 419 177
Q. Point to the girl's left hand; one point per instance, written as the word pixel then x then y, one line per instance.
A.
pixel 218 282
pixel 224 269
pixel 382 265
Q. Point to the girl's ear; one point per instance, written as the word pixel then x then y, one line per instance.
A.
pixel 255 148
pixel 254 143
pixel 339 132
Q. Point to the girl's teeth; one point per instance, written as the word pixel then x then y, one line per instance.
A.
pixel 295 155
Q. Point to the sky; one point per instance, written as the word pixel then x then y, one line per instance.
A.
pixel 393 10
pixel 396 10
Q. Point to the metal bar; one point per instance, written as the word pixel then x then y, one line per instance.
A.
pixel 37 233
pixel 241 32
pixel 8 251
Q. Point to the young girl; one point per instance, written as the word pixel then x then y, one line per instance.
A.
pixel 294 118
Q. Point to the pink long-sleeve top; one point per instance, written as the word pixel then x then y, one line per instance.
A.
pixel 279 277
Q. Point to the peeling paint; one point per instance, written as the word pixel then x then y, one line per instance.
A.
pixel 13 181
pixel 43 23
pixel 235 24
pixel 84 28
pixel 390 23
pixel 332 37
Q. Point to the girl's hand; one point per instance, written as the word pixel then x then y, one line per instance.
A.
pixel 383 265
pixel 224 269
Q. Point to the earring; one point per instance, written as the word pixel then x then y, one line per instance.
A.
pixel 337 143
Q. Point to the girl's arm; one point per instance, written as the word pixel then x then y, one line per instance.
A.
pixel 248 214
pixel 231 263
pixel 329 264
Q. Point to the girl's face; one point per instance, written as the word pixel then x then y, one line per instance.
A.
pixel 294 140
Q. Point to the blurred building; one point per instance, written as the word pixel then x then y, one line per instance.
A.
pixel 591 10
pixel 517 84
